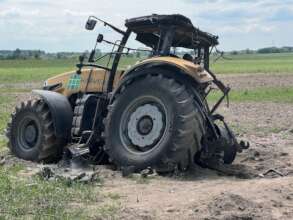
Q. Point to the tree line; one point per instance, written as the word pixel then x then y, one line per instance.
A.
pixel 266 50
pixel 39 54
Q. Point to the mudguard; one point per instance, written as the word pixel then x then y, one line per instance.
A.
pixel 187 76
pixel 61 110
pixel 195 71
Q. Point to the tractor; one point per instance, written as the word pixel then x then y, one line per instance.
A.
pixel 152 114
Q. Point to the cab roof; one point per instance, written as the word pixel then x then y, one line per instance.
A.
pixel 149 28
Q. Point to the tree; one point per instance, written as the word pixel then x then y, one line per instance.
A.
pixel 37 54
pixel 16 54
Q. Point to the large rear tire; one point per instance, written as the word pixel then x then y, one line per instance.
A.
pixel 153 122
pixel 31 133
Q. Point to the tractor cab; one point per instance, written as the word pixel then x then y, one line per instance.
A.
pixel 163 33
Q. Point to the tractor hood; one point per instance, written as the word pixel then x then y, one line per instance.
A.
pixel 70 82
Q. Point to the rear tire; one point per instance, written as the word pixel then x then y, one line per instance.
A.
pixel 153 122
pixel 31 133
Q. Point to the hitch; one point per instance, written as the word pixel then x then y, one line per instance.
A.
pixel 242 145
pixel 224 146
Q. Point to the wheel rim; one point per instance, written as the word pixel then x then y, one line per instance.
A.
pixel 143 124
pixel 28 133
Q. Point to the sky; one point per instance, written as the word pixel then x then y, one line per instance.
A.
pixel 59 25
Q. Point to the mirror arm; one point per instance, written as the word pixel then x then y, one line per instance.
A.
pixel 92 56
pixel 110 25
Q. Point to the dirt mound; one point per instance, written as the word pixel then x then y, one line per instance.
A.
pixel 228 206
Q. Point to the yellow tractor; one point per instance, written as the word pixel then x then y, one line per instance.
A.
pixel 154 114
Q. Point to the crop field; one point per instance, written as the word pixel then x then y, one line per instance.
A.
pixel 12 71
pixel 255 63
pixel 258 186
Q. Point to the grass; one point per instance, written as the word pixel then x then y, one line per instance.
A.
pixel 34 198
pixel 18 71
pixel 279 95
pixel 255 63
pixel 6 102
pixel 13 71
pixel 2 146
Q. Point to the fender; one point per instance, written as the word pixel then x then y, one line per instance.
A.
pixel 198 73
pixel 177 71
pixel 61 111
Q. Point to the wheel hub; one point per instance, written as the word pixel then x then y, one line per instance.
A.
pixel 30 133
pixel 145 125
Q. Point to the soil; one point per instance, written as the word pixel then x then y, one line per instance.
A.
pixel 259 185
pixel 252 81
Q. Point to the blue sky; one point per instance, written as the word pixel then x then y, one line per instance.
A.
pixel 59 25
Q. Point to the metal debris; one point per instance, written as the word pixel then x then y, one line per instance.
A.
pixel 69 175
pixel 271 171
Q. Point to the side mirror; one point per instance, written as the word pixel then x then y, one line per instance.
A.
pixel 90 24
pixel 100 38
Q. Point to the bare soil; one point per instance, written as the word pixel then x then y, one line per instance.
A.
pixel 259 185
pixel 252 81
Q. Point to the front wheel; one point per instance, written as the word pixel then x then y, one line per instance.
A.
pixel 31 133
pixel 153 122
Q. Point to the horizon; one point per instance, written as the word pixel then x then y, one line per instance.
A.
pixel 53 52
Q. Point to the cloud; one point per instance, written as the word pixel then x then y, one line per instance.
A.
pixel 59 25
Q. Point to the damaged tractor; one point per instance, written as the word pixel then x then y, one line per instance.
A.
pixel 153 114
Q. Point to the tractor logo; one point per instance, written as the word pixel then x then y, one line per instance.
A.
pixel 74 82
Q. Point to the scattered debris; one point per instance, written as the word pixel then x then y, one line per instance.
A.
pixel 271 171
pixel 147 172
pixel 69 175
pixel 45 173
pixel 130 171
pixel 237 170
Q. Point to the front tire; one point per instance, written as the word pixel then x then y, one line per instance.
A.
pixel 31 133
pixel 153 122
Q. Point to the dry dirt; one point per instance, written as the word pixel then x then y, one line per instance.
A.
pixel 252 81
pixel 259 184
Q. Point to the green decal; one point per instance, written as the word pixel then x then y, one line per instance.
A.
pixel 74 82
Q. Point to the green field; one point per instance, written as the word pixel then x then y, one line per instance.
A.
pixel 278 95
pixel 36 198
pixel 35 70
pixel 14 71
pixel 255 63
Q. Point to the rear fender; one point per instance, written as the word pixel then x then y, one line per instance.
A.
pixel 141 70
pixel 61 111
